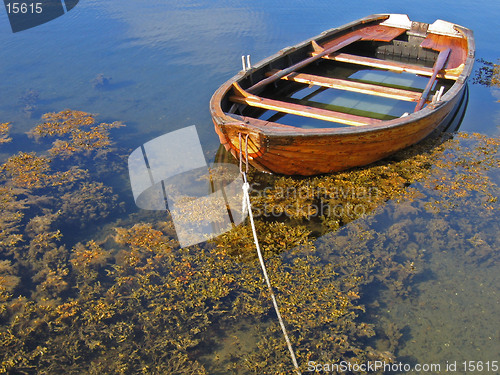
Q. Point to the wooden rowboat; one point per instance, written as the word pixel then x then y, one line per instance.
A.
pixel 347 97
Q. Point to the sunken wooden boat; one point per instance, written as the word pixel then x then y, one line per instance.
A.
pixel 347 97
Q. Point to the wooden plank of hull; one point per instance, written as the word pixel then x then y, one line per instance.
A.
pixel 359 87
pixel 440 43
pixel 301 110
pixel 343 155
pixel 379 33
pixel 325 154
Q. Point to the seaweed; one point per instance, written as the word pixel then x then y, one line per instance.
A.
pixel 488 73
pixel 4 131
pixel 127 300
pixel 77 132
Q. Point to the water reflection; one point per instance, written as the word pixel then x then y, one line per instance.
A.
pixel 185 29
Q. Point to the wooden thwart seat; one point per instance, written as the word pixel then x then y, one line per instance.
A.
pixel 242 96
pixel 458 53
pixel 379 33
pixel 389 65
pixel 353 86
pixel 305 62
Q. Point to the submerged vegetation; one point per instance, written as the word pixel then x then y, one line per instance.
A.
pixel 488 74
pixel 128 300
pixel 4 131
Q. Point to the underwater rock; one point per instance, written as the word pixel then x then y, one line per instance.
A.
pixel 100 81
pixel 29 102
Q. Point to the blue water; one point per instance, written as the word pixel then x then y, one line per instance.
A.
pixel 166 58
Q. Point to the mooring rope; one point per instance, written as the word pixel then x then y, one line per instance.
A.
pixel 247 206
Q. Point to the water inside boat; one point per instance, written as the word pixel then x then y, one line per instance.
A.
pixel 339 100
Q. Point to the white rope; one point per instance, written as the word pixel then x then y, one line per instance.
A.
pixel 247 205
pixel 244 204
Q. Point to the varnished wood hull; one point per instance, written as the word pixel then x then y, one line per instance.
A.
pixel 283 149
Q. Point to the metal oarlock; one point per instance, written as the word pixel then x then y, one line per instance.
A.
pixel 246 63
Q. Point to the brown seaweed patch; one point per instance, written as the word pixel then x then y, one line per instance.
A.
pixel 8 279
pixel 275 238
pixel 90 200
pixel 11 215
pixel 135 303
pixel 88 256
pixel 4 132
pixel 77 131
pixel 28 170
pixel 463 174
pixel 488 73
pixel 143 237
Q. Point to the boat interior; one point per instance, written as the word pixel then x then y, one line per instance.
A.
pixel 364 75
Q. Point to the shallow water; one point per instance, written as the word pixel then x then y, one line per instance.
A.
pixel 154 67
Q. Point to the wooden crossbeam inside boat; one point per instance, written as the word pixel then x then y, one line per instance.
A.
pixel 241 96
pixel 305 62
pixel 388 65
pixel 360 87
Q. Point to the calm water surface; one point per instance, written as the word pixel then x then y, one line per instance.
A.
pixel 165 59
